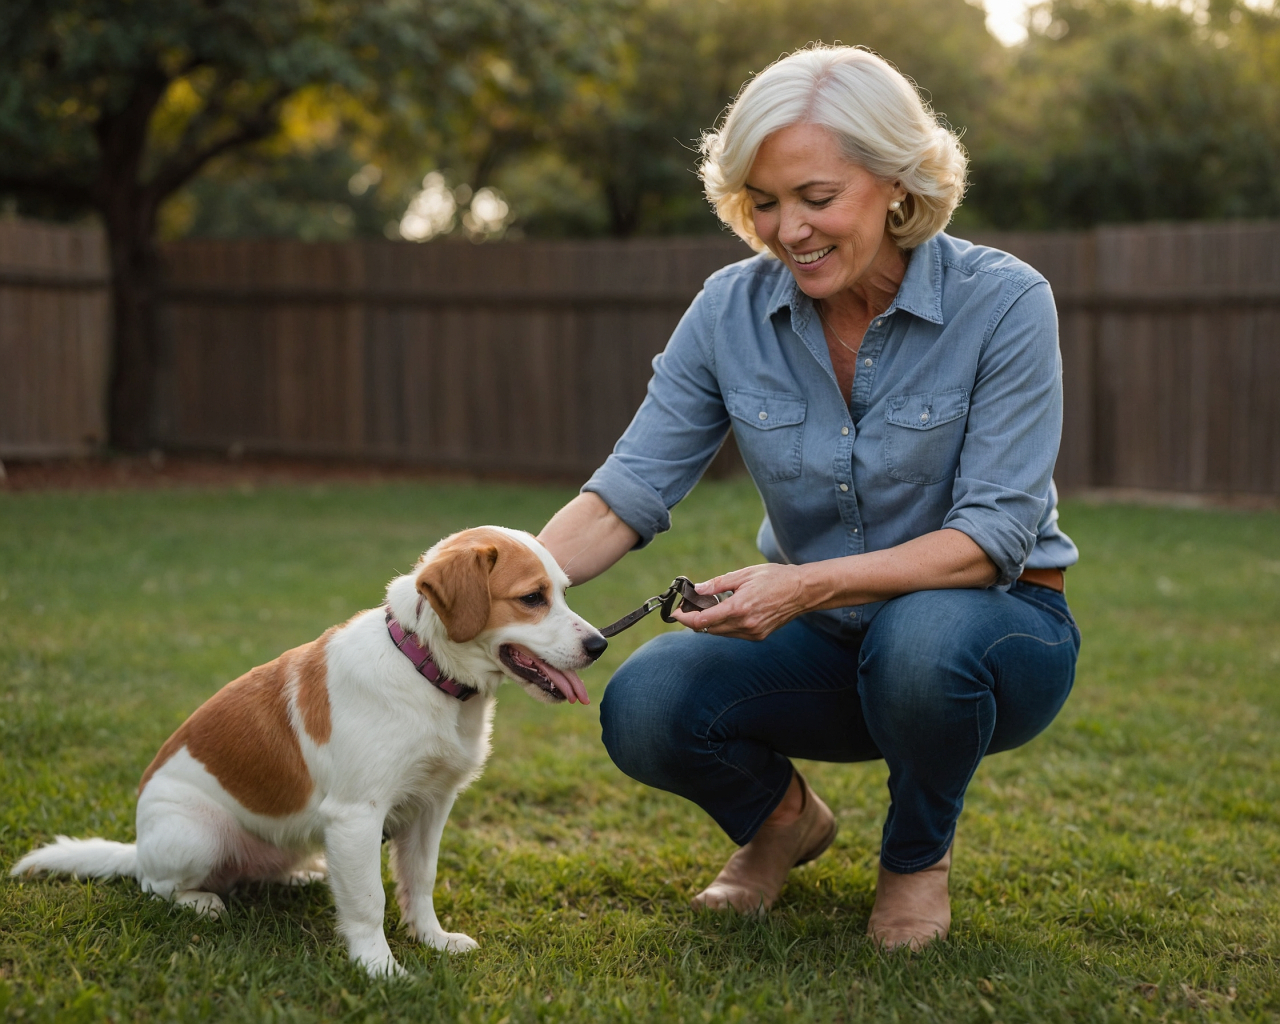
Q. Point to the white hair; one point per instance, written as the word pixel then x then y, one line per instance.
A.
pixel 874 112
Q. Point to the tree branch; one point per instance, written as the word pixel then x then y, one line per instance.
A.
pixel 254 127
pixel 213 109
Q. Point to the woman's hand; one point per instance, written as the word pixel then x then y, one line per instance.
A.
pixel 768 596
pixel 765 597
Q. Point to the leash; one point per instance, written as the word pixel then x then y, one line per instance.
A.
pixel 681 590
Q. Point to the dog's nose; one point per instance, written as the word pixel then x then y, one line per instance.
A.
pixel 594 646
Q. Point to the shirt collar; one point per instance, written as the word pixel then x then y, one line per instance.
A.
pixel 919 294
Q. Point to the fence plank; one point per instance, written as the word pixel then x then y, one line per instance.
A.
pixel 54 318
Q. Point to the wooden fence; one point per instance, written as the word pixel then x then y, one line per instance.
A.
pixel 1171 354
pixel 530 358
pixel 54 319
pixel 525 358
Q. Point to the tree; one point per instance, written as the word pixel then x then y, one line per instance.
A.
pixel 1119 110
pixel 111 106
pixel 633 135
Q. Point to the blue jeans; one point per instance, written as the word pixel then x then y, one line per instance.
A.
pixel 939 679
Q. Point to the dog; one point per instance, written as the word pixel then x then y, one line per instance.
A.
pixel 301 766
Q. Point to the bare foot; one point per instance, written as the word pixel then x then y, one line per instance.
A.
pixel 912 910
pixel 799 829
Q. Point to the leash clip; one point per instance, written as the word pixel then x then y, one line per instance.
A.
pixel 681 592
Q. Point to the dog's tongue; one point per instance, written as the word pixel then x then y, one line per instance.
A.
pixel 567 683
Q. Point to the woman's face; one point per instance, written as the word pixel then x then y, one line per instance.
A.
pixel 820 213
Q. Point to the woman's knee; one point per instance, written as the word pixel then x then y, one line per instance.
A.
pixel 921 650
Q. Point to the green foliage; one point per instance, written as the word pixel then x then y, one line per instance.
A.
pixel 304 196
pixel 587 114
pixel 1121 866
pixel 162 85
pixel 682 61
pixel 102 99
pixel 1125 111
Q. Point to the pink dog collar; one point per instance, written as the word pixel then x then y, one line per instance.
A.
pixel 420 657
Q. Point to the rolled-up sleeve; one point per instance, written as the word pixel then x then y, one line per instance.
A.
pixel 1012 434
pixel 675 433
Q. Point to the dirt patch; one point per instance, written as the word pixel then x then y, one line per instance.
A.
pixel 213 472
pixel 142 472
pixel 1173 499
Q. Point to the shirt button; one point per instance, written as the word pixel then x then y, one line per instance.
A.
pixel 844 487
pixel 764 415
pixel 844 431
pixel 879 323
pixel 866 362
pixel 924 417
pixel 855 529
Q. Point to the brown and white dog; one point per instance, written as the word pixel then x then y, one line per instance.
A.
pixel 301 765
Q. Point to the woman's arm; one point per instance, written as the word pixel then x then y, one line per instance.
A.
pixel 671 440
pixel 766 597
pixel 586 537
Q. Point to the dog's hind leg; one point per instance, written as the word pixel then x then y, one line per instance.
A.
pixel 186 846
pixel 415 851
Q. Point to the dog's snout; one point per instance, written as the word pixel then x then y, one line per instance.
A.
pixel 594 646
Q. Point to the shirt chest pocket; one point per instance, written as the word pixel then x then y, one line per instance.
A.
pixel 769 427
pixel 923 435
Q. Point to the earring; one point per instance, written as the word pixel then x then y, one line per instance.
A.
pixel 895 206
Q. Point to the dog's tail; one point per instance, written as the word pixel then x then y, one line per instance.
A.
pixel 84 858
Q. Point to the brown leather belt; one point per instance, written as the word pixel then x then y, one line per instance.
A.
pixel 1053 579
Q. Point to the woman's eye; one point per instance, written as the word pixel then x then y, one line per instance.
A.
pixel 820 202
pixel 765 206
pixel 533 600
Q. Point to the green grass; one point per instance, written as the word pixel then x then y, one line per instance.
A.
pixel 1122 866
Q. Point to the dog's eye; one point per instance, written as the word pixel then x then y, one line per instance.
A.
pixel 534 600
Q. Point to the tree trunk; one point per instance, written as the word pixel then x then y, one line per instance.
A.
pixel 134 282
pixel 128 208
pixel 624 208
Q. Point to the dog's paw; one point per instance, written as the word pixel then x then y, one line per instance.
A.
pixel 374 955
pixel 312 869
pixel 382 967
pixel 449 942
pixel 293 878
pixel 206 904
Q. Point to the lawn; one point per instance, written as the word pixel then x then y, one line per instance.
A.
pixel 1125 865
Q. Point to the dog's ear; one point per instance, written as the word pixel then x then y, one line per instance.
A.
pixel 456 582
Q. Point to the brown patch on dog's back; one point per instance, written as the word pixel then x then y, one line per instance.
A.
pixel 244 737
pixel 313 689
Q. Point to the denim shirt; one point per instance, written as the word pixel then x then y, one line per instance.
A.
pixel 954 419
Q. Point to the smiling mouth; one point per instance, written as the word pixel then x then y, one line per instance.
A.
pixel 811 257
pixel 523 665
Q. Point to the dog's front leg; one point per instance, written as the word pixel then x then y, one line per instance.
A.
pixel 415 852
pixel 353 845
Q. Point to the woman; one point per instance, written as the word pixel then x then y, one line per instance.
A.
pixel 896 395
